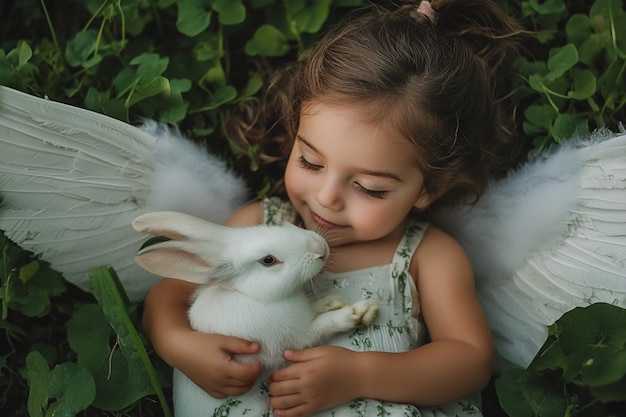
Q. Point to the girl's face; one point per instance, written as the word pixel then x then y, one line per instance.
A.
pixel 350 179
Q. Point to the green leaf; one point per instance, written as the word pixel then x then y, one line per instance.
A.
pixel 524 393
pixel 230 12
pixel 88 335
pixel 578 28
pixel 215 74
pixel 194 16
pixel 267 41
pixel 24 52
pixel 562 59
pixel 547 6
pixel 540 116
pixel 174 114
pixel 255 83
pixel 74 388
pixel 38 376
pixel 612 84
pixel 149 88
pixel 609 17
pixel 175 108
pixel 310 17
pixel 28 271
pixel 536 82
pixel 566 126
pixel 593 339
pixel 150 65
pixel 615 392
pixel 125 80
pixel 27 285
pixel 222 96
pixel 81 47
pixel 584 84
pixel 142 379
pixel 207 48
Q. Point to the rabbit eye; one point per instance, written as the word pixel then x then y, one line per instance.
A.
pixel 268 260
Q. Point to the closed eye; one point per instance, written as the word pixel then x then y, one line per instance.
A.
pixel 370 193
pixel 307 165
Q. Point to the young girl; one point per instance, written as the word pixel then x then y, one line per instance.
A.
pixel 392 115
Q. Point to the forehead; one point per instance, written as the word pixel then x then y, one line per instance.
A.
pixel 349 128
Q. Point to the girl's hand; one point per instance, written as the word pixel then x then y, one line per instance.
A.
pixel 207 359
pixel 319 378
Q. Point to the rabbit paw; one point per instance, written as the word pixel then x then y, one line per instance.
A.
pixel 329 303
pixel 366 311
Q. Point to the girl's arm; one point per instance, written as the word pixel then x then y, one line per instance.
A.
pixel 207 359
pixel 456 363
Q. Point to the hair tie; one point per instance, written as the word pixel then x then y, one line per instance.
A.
pixel 427 10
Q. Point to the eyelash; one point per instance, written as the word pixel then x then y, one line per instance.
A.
pixel 366 192
pixel 307 165
pixel 371 193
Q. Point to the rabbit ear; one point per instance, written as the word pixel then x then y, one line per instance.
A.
pixel 176 226
pixel 176 260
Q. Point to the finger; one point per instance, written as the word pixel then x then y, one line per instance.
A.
pixel 297 411
pixel 282 388
pixel 298 355
pixel 231 390
pixel 242 374
pixel 239 346
pixel 286 402
pixel 285 374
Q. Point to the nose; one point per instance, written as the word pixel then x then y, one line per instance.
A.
pixel 329 192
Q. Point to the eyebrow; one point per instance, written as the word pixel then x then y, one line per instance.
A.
pixel 380 174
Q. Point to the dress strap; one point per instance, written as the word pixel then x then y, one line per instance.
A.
pixel 413 234
pixel 277 211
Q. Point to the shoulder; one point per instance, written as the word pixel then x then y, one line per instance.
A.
pixel 271 210
pixel 248 215
pixel 441 258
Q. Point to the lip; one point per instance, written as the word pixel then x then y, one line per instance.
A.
pixel 323 223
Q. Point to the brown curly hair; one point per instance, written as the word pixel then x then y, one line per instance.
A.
pixel 437 83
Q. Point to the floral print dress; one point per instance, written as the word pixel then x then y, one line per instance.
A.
pixel 397 328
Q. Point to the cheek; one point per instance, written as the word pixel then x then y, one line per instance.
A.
pixel 378 220
pixel 294 180
pixel 375 219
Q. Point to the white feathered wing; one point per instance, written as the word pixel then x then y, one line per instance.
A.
pixel 71 181
pixel 548 238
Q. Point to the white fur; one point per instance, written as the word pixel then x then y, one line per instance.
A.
pixel 242 297
pixel 191 180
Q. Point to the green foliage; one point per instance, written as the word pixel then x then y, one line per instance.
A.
pixel 579 371
pixel 75 353
pixel 27 284
pixel 194 62
pixel 574 78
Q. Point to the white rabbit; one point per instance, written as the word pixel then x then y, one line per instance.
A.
pixel 253 288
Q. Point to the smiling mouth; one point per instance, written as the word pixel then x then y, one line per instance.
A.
pixel 323 223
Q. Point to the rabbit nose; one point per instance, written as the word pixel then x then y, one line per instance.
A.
pixel 320 250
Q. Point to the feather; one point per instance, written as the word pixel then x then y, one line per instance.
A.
pixel 549 237
pixel 71 181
